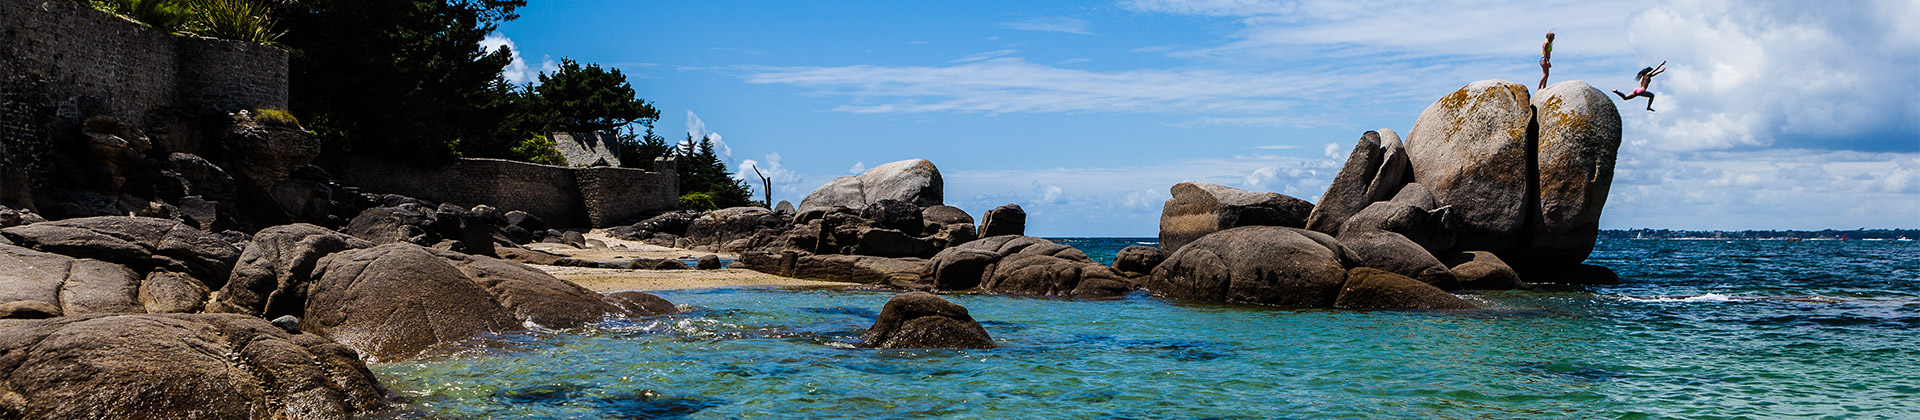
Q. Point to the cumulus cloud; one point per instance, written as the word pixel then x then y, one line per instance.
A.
pixel 1123 201
pixel 1762 189
pixel 1052 24
pixel 517 70
pixel 1786 74
pixel 697 129
pixel 787 183
pixel 857 168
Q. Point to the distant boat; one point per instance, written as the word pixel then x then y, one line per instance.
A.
pixel 1903 238
pixel 1793 239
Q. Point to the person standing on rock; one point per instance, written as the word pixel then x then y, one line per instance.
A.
pixel 1646 77
pixel 1546 59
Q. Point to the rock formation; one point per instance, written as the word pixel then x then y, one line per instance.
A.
pixel 923 320
pixel 1471 148
pixel 914 181
pixel 1263 265
pixel 1024 265
pixel 178 366
pixel 1579 138
pixel 1008 219
pixel 1198 209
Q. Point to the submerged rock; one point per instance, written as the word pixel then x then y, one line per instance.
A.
pixel 1369 288
pixel 923 320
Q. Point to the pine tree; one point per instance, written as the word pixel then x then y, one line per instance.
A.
pixel 702 172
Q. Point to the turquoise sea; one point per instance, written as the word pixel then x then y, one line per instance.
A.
pixel 1700 329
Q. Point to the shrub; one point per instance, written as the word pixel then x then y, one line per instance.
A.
pixel 538 149
pixel 698 201
pixel 170 16
pixel 241 20
pixel 276 117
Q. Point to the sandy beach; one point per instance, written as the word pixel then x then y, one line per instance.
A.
pixel 614 280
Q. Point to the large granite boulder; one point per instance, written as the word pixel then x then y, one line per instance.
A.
pixel 1348 192
pixel 143 243
pixel 271 278
pixel 1427 227
pixel 1471 149
pixel 445 226
pixel 642 303
pixel 66 285
pixel 1368 288
pixel 1396 168
pixel 1263 265
pixel 895 214
pixel 1579 138
pixel 914 181
pixel 1024 265
pixel 1199 208
pixel 1008 219
pixel 923 320
pixel 393 301
pixel 1394 253
pixel 170 293
pixel 178 366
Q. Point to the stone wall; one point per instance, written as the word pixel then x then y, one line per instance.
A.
pixel 61 62
pixel 596 197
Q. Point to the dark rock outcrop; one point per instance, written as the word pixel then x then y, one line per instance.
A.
pixel 708 262
pixel 273 273
pixel 1008 219
pixel 1368 288
pixel 923 320
pixel 1471 149
pixel 835 267
pixel 143 243
pixel 1264 265
pixel 178 366
pixel 1348 192
pixel 914 181
pixel 1428 228
pixel 737 229
pixel 1199 208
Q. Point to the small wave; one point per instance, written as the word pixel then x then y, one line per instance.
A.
pixel 1709 297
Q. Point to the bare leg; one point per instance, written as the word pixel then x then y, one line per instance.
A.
pixel 1649 101
pixel 1543 78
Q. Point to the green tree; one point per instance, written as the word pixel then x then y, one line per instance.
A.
pixel 400 78
pixel 590 98
pixel 638 151
pixel 701 171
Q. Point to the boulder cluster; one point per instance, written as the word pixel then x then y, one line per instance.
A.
pixel 1490 184
pixel 126 316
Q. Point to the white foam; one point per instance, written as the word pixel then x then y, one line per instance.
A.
pixel 1709 297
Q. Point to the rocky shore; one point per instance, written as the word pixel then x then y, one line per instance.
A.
pixel 166 313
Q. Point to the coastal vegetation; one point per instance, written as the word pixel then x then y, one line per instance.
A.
pixel 240 20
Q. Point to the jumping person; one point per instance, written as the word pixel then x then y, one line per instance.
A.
pixel 1646 77
pixel 1546 59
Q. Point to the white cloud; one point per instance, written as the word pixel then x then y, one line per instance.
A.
pixel 984 56
pixel 1052 24
pixel 1788 74
pixel 1763 189
pixel 787 183
pixel 517 71
pixel 857 168
pixel 1011 85
pixel 696 128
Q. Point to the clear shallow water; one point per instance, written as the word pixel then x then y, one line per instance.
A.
pixel 1703 329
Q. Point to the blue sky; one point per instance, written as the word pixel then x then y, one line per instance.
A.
pixel 1774 115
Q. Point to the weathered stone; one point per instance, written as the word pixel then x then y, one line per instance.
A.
pixel 1394 253
pixel 385 225
pixel 708 262
pixel 896 215
pixel 923 320
pixel 785 207
pixel 1199 208
pixel 1368 288
pixel 392 301
pixel 1009 219
pixel 720 227
pixel 893 244
pixel 914 181
pixel 143 243
pixel 1427 228
pixel 1138 259
pixel 28 309
pixel 75 286
pixel 944 215
pixel 1023 265
pixel 574 239
pixel 1579 139
pixel 272 276
pixel 642 303
pixel 841 268
pixel 1395 168
pixel 1264 265
pixel 1482 270
pixel 178 366
pixel 165 293
pixel 1470 148
pixel 1348 192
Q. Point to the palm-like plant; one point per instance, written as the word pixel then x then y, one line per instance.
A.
pixel 242 20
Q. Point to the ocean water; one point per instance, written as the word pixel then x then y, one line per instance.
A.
pixel 1701 329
